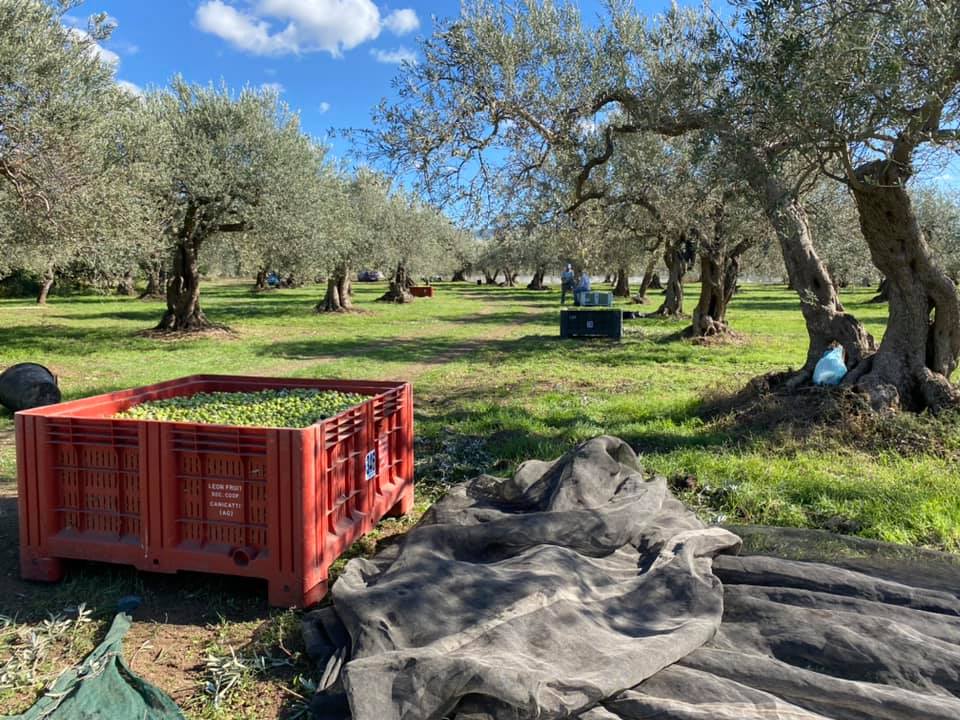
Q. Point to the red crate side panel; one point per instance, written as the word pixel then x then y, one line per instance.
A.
pixel 345 448
pixel 394 440
pixel 388 428
pixel 90 475
pixel 151 490
pixel 241 492
pixel 218 480
pixel 276 532
pixel 305 443
pixel 27 481
pixel 323 502
pixel 408 433
pixel 281 470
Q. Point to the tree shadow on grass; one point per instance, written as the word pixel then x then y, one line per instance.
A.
pixel 511 295
pixel 538 316
pixel 37 341
pixel 56 339
pixel 146 314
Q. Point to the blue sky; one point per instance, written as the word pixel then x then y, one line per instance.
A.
pixel 333 60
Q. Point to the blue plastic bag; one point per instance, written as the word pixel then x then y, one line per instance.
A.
pixel 830 368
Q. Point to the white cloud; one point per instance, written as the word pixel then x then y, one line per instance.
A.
pixel 273 87
pixel 130 87
pixel 395 57
pixel 278 27
pixel 324 107
pixel 107 57
pixel 401 22
pixel 239 29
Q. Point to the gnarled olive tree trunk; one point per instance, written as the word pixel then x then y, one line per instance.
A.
pixel 823 313
pixel 183 291
pixel 883 293
pixel 400 285
pixel 622 288
pixel 459 276
pixel 489 279
pixel 679 256
pixel 719 268
pixel 156 277
pixel 646 282
pixel 126 286
pixel 46 282
pixel 337 297
pixel 536 283
pixel 921 344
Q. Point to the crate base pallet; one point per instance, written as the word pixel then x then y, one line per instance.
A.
pixel 272 503
pixel 591 323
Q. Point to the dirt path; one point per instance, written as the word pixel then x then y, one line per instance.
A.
pixel 412 371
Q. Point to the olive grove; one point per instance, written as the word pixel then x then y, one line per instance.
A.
pixel 98 185
pixel 773 99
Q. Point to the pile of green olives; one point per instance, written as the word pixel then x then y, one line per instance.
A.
pixel 293 408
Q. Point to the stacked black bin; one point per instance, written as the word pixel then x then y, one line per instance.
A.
pixel 599 322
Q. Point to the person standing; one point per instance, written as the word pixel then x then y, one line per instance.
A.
pixel 566 283
pixel 582 287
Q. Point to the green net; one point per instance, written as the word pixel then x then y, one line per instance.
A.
pixel 103 688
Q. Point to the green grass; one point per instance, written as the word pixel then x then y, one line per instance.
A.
pixel 493 385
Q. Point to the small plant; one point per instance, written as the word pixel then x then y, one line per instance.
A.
pixel 227 671
pixel 29 651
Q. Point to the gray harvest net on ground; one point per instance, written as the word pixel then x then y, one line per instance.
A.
pixel 583 589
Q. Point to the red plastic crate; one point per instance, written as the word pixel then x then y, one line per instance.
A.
pixel 278 504
pixel 422 291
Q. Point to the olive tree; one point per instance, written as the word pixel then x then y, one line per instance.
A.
pixel 412 237
pixel 938 213
pixel 63 191
pixel 219 163
pixel 873 89
pixel 358 206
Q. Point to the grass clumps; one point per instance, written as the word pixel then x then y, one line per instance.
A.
pixel 293 408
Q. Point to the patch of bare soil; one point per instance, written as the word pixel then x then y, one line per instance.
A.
pixel 217 331
pixel 729 338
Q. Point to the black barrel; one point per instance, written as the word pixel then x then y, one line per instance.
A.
pixel 28 385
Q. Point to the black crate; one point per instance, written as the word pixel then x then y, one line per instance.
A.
pixel 592 323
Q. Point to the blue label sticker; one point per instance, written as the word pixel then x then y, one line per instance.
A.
pixel 371 464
